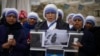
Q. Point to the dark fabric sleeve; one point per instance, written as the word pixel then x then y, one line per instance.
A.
pixel 2 37
pixel 88 44
pixel 97 39
pixel 21 43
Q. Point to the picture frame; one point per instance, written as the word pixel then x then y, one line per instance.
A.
pixel 54 52
pixel 55 38
pixel 36 39
pixel 74 38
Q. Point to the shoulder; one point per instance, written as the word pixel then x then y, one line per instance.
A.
pixel 41 24
pixel 97 32
pixel 2 27
pixel 97 28
pixel 87 32
pixel 62 25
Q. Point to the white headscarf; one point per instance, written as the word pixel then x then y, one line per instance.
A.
pixel 91 19
pixel 67 17
pixel 50 6
pixel 61 12
pixel 81 17
pixel 33 15
pixel 12 11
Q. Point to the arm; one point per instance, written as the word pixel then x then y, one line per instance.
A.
pixel 21 43
pixel 88 43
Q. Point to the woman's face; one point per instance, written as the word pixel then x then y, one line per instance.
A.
pixel 88 25
pixel 32 21
pixel 70 21
pixel 78 23
pixel 11 19
pixel 50 16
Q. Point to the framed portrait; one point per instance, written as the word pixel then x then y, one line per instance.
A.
pixel 55 38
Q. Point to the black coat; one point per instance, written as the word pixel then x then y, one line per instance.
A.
pixel 96 33
pixel 60 25
pixel 88 43
pixel 97 39
pixel 19 35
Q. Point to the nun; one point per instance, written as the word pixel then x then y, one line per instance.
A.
pixel 50 14
pixel 69 20
pixel 87 44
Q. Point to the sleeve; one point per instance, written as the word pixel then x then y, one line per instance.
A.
pixel 88 43
pixel 1 41
pixel 2 37
pixel 21 43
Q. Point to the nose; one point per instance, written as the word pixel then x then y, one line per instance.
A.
pixel 32 20
pixel 11 17
pixel 50 14
pixel 77 20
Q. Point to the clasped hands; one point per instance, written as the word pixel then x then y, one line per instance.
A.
pixel 9 43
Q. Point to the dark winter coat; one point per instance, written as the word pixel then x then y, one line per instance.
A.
pixel 60 25
pixel 88 48
pixel 96 32
pixel 19 35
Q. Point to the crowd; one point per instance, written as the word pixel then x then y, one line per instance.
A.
pixel 15 29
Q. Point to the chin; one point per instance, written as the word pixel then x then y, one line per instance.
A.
pixel 77 27
pixel 11 23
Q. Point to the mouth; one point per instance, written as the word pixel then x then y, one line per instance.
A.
pixel 49 18
pixel 76 24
